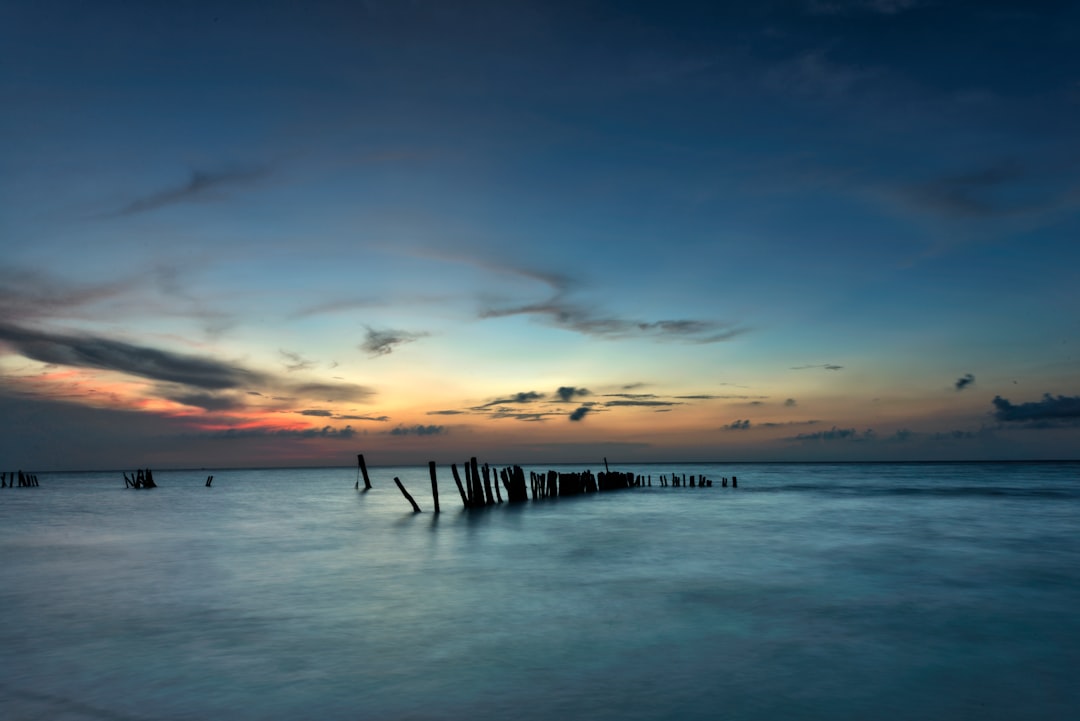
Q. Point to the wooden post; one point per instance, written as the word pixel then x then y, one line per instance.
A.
pixel 363 469
pixel 478 486
pixel 416 508
pixel 461 489
pixel 434 484
pixel 606 469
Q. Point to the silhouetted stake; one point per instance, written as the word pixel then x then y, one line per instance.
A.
pixel 209 480
pixel 495 481
pixel 477 494
pixel 461 489
pixel 363 469
pixel 606 469
pixel 434 484
pixel 416 508
pixel 489 499
pixel 734 482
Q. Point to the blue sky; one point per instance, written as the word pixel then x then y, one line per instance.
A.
pixel 277 233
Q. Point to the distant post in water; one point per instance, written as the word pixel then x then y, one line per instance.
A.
pixel 434 485
pixel 416 508
pixel 363 469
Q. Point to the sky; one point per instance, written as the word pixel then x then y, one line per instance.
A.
pixel 264 234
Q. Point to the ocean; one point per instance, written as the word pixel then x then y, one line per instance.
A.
pixel 811 591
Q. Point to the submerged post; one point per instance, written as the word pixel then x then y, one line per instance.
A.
pixel 434 484
pixel 416 508
pixel 363 469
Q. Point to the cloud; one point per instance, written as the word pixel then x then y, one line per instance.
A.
pixel 105 354
pixel 517 398
pixel 813 75
pixel 1050 412
pixel 295 362
pixel 28 294
pixel 200 184
pixel 737 426
pixel 964 381
pixel 291 433
pixel 568 393
pixel 995 191
pixel 445 413
pixel 383 342
pixel 580 413
pixel 835 434
pixel 790 403
pixel 417 430
pixel 206 401
pixel 826 366
pixel 186 371
pixel 574 317
pixel 611 404
pixel 320 413
pixel 377 419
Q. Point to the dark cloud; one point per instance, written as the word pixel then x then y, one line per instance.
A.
pixel 295 361
pixel 826 366
pixel 790 403
pixel 207 401
pixel 417 430
pixel 700 397
pixel 517 416
pixel 773 424
pixel 737 425
pixel 186 371
pixel 383 342
pixel 568 393
pixel 517 398
pixel 445 413
pixel 377 419
pixel 835 434
pixel 964 381
pixel 316 412
pixel 1050 412
pixel 105 354
pixel 200 184
pixel 324 432
pixel 632 396
pixel 580 413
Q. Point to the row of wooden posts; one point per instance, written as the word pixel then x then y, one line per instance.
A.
pixel 481 486
pixel 23 480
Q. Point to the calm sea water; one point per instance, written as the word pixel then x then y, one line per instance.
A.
pixel 849 591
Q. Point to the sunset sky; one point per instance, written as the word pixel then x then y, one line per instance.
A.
pixel 269 233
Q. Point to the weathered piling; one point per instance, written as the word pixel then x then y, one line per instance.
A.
pixel 477 493
pixel 461 489
pixel 363 469
pixel 209 480
pixel 434 485
pixel 489 499
pixel 416 508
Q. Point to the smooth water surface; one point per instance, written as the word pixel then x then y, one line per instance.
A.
pixel 818 591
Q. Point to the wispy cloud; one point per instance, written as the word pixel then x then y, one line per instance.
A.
pixel 516 399
pixel 826 366
pixel 384 342
pixel 201 184
pixel 790 403
pixel 642 402
pixel 1002 189
pixel 740 425
pixel 295 362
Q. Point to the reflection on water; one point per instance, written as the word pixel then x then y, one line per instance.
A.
pixel 812 591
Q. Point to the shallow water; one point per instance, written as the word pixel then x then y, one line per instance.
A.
pixel 817 591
